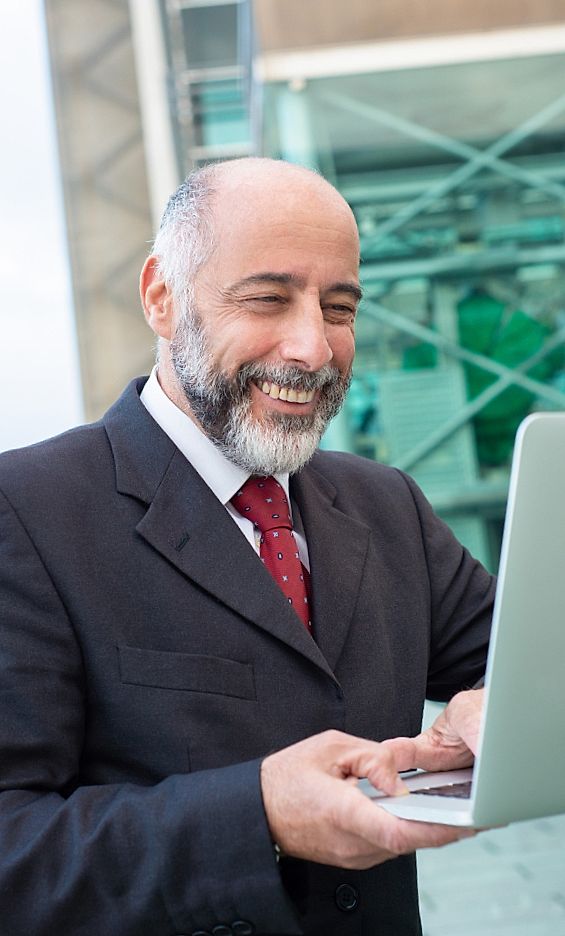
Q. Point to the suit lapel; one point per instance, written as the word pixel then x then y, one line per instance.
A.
pixel 187 524
pixel 337 547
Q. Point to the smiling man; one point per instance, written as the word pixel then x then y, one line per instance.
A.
pixel 259 349
pixel 209 627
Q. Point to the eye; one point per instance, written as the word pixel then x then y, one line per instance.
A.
pixel 266 302
pixel 268 297
pixel 337 312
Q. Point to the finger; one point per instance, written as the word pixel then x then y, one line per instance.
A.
pixel 377 763
pixel 404 751
pixel 403 836
pixel 431 750
pixel 381 830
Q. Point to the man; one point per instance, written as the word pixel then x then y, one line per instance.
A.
pixel 171 724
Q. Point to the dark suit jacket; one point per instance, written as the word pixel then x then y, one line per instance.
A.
pixel 148 662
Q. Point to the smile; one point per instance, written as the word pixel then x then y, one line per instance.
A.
pixel 286 393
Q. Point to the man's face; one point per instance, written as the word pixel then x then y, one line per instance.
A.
pixel 264 356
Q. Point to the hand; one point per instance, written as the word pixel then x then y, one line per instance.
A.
pixel 450 743
pixel 316 812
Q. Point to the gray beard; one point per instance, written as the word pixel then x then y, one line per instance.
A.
pixel 278 442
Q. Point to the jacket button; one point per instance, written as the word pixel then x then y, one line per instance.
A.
pixel 242 928
pixel 346 897
pixel 222 930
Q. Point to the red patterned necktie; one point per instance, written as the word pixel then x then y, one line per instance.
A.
pixel 263 501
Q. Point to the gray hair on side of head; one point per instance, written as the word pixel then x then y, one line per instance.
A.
pixel 184 240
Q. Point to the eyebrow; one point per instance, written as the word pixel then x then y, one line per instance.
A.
pixel 258 279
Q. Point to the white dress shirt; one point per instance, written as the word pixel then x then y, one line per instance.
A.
pixel 222 477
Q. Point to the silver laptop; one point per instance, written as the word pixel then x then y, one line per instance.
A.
pixel 519 770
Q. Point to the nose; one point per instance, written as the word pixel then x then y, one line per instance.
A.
pixel 305 340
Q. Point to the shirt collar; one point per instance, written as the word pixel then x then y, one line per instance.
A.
pixel 220 474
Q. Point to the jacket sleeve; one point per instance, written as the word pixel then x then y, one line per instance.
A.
pixel 461 604
pixel 184 855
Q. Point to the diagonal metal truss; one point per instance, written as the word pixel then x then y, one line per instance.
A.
pixel 476 159
pixel 506 377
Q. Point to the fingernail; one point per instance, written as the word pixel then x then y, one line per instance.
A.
pixel 400 788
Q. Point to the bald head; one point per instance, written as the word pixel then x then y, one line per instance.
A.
pixel 256 176
pixel 215 201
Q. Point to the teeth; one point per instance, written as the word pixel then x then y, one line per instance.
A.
pixel 286 393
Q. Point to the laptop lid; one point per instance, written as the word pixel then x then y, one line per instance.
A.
pixel 520 766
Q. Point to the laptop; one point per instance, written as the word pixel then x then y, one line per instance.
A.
pixel 519 770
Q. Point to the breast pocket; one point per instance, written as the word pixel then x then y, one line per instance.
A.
pixel 187 672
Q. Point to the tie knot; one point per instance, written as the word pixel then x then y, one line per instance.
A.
pixel 263 501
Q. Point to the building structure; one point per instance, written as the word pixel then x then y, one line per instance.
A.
pixel 445 131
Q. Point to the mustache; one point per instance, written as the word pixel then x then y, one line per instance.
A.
pixel 293 377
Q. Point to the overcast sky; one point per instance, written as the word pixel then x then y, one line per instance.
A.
pixel 39 383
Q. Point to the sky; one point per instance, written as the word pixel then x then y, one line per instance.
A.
pixel 39 376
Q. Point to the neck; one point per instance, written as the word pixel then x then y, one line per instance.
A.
pixel 170 385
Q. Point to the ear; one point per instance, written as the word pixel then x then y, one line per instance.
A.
pixel 156 299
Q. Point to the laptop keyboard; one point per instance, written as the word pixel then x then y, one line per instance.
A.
pixel 458 790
